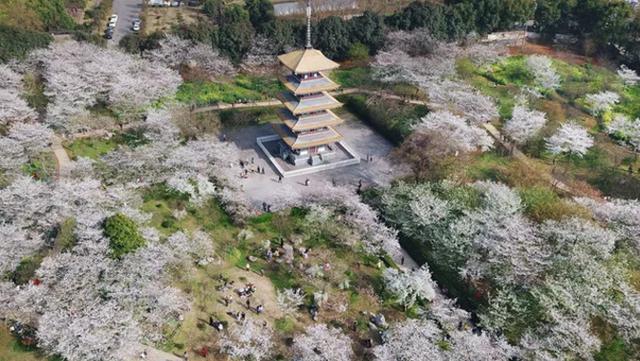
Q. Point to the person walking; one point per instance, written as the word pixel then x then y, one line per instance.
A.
pixel 279 179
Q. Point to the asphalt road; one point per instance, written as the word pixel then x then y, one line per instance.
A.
pixel 127 10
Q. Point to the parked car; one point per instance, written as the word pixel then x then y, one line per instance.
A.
pixel 108 33
pixel 113 20
pixel 175 3
pixel 136 25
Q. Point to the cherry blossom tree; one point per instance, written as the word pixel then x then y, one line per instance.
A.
pixel 13 107
pixel 321 342
pixel 289 300
pixel 623 216
pixel 415 340
pixel 23 141
pixel 81 75
pixel 175 52
pixel 627 129
pixel 408 287
pixel 543 71
pixel 262 56
pixel 465 137
pixel 502 243
pixel 249 341
pixel 602 102
pixel 629 76
pixel 571 139
pixel 524 124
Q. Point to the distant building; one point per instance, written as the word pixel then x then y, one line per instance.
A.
pixel 295 8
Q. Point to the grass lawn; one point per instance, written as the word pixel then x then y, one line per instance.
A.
pixel 93 148
pixel 241 88
pixel 12 350
pixel 41 167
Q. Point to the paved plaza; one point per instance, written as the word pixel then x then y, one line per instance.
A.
pixel 360 137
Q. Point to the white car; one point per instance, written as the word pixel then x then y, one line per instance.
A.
pixel 136 25
pixel 113 20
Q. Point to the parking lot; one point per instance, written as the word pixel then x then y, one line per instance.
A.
pixel 127 11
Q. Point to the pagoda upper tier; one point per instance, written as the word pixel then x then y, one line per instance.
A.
pixel 308 83
pixel 307 61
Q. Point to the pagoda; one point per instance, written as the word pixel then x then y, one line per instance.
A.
pixel 306 131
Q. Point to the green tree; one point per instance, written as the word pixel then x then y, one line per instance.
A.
pixel 123 235
pixel 332 36
pixel 515 11
pixel 420 14
pixel 236 33
pixel 487 15
pixel 460 20
pixel 368 29
pixel 261 14
pixel 16 43
pixel 214 9
pixel 286 34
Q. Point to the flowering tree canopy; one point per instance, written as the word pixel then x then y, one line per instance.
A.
pixel 602 102
pixel 524 124
pixel 175 52
pixel 542 69
pixel 571 138
pixel 321 342
pixel 81 75
pixel 464 136
pixel 13 107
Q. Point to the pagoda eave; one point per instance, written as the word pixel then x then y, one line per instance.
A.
pixel 302 123
pixel 318 85
pixel 304 141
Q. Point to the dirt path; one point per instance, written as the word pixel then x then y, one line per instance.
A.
pixel 276 102
pixel 63 162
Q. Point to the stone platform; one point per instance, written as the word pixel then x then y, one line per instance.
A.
pixel 343 156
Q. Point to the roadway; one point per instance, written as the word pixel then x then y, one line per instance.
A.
pixel 127 10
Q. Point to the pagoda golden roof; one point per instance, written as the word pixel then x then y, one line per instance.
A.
pixel 308 86
pixel 307 61
pixel 306 140
pixel 309 104
pixel 311 121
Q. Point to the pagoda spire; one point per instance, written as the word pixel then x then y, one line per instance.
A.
pixel 309 25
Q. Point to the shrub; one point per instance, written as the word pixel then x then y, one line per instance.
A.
pixel 66 237
pixel 123 235
pixel 17 43
pixel 392 119
pixel 358 52
pixel 26 269
pixel 542 203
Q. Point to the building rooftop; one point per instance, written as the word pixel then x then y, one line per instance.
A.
pixel 309 104
pixel 312 121
pixel 307 61
pixel 311 139
pixel 307 86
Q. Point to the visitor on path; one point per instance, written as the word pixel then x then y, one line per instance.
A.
pixel 402 261
pixel 306 182
pixel 260 309
pixel 264 206
pixel 248 303
pixel 279 179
